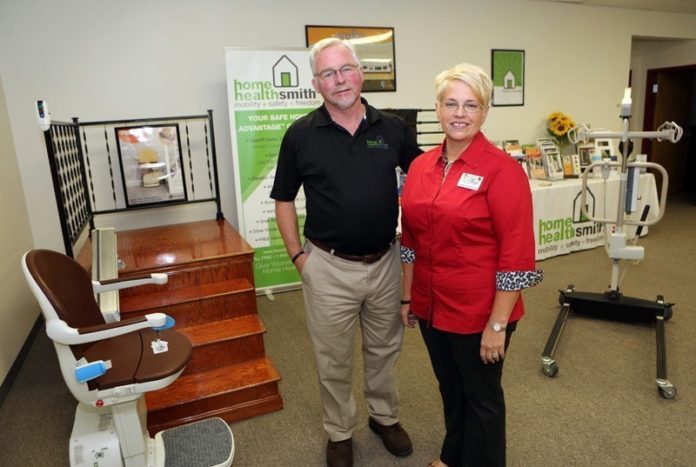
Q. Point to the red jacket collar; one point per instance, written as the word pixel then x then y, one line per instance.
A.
pixel 472 154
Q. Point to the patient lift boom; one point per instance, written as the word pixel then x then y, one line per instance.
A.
pixel 612 304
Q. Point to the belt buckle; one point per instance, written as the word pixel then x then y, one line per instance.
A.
pixel 373 258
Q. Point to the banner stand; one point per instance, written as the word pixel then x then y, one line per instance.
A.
pixel 267 90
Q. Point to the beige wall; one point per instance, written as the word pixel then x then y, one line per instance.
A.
pixel 134 59
pixel 18 310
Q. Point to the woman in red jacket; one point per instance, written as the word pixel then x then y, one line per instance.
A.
pixel 467 252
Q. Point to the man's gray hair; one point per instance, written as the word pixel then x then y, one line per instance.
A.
pixel 329 42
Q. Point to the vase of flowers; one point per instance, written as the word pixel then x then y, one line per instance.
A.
pixel 557 125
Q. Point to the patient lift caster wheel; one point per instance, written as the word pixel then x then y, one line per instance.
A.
pixel 562 294
pixel 550 369
pixel 668 307
pixel 665 388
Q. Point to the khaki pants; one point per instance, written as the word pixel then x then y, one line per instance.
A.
pixel 338 294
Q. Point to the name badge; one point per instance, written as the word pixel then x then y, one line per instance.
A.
pixel 470 181
pixel 159 346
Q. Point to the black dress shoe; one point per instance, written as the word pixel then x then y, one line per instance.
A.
pixel 394 437
pixel 339 453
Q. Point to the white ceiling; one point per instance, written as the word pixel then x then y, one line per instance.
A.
pixel 674 6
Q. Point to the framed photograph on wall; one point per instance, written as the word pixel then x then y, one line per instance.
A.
pixel 375 47
pixel 152 169
pixel 507 73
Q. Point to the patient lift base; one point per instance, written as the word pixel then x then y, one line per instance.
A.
pixel 613 305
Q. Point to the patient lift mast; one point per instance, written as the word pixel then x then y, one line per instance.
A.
pixel 612 304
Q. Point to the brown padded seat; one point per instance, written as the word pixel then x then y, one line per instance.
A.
pixel 133 360
pixel 124 353
pixel 67 286
pixel 69 289
pixel 157 366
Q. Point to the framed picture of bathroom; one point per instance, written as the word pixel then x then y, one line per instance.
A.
pixel 151 164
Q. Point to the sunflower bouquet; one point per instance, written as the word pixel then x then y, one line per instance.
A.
pixel 557 125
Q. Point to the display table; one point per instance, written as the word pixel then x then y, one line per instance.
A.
pixel 559 226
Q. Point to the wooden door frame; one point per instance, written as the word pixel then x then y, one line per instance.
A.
pixel 649 107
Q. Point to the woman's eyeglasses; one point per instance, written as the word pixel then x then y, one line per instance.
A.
pixel 469 107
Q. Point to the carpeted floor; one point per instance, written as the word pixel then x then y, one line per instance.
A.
pixel 602 409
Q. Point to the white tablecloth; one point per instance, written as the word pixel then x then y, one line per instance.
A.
pixel 559 227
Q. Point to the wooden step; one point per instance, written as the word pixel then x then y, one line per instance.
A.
pixel 203 271
pixel 224 343
pixel 164 297
pixel 193 309
pixel 233 393
pixel 180 244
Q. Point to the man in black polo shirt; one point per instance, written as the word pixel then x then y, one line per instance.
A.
pixel 345 154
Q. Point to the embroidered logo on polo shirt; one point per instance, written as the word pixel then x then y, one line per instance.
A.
pixel 377 143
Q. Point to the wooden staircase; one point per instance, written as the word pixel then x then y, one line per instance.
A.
pixel 211 295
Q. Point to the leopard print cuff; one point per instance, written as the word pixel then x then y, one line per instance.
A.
pixel 517 280
pixel 408 255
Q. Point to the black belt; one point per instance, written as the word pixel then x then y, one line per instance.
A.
pixel 367 259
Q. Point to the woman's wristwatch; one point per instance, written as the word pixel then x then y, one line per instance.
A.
pixel 496 326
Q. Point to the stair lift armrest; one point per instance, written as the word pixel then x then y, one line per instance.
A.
pixel 59 331
pixel 118 284
pixel 88 371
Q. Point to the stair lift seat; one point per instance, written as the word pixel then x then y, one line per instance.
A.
pixel 76 326
pixel 109 366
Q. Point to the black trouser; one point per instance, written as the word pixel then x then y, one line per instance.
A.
pixel 472 398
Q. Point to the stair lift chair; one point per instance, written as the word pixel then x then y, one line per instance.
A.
pixel 108 368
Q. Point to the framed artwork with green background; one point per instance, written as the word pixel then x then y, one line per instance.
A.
pixel 507 73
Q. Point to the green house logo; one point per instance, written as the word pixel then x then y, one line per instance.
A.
pixel 285 74
pixel 377 143
pixel 578 216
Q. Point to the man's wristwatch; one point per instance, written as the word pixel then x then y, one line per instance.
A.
pixel 497 327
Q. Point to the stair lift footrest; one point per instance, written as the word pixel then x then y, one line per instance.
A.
pixel 205 443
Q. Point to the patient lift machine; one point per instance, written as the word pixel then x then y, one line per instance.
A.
pixel 612 304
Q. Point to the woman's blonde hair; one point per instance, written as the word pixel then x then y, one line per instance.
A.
pixel 472 75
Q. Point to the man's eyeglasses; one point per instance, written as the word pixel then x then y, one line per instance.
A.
pixel 346 71
pixel 469 107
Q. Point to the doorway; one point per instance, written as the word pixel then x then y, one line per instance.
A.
pixel 670 95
